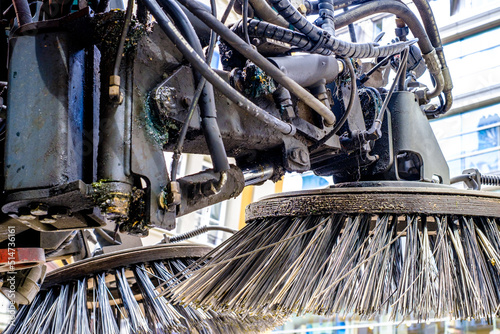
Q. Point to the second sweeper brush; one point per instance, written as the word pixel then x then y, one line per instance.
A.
pixel 410 252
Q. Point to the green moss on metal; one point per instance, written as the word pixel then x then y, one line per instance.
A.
pixel 256 82
pixel 158 129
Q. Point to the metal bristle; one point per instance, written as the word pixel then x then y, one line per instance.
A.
pixel 126 301
pixel 407 266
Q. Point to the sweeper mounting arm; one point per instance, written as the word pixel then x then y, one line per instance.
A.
pixel 91 99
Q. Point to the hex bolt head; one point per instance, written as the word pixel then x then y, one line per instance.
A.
pixel 303 156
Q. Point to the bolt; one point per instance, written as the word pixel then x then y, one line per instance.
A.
pixel 186 101
pixel 302 9
pixel 303 156
pixel 40 210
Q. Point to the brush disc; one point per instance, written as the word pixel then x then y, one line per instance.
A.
pixel 118 293
pixel 369 250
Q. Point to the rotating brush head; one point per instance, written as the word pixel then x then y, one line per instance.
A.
pixel 412 253
pixel 102 295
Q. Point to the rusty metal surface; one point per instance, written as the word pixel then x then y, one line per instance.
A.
pixel 12 259
pixel 397 200
pixel 123 258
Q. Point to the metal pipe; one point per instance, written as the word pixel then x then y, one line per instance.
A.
pixel 308 70
pixel 199 64
pixel 257 174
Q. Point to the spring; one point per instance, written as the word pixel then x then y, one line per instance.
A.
pixel 197 232
pixel 490 180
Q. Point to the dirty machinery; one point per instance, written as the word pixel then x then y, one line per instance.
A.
pixel 91 98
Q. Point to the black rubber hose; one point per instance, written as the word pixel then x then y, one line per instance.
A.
pixel 207 99
pixel 326 15
pixel 432 30
pixel 247 51
pixel 199 64
pixel 23 12
pixel 388 6
pixel 322 38
pixel 263 29
pixel 260 29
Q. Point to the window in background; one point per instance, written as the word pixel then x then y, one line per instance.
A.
pixel 471 140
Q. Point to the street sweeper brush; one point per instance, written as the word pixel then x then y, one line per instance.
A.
pixel 116 293
pixel 406 249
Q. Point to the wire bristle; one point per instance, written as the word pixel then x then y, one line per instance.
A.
pixel 407 266
pixel 126 300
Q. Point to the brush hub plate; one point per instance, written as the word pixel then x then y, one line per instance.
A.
pixel 384 197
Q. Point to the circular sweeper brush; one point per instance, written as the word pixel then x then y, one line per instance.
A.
pixel 365 249
pixel 117 293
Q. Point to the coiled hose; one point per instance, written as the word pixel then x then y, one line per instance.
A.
pixel 261 29
pixel 197 232
pixel 323 39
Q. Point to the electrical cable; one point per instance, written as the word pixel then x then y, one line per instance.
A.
pixel 247 51
pixel 199 64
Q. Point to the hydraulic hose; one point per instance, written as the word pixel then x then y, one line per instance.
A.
pixel 387 6
pixel 207 98
pixel 431 28
pixel 326 14
pixel 23 12
pixel 266 13
pixel 247 51
pixel 402 11
pixel 261 29
pixel 322 39
pixel 199 64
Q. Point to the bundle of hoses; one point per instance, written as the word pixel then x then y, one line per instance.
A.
pixel 116 293
pixel 344 49
pixel 411 253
